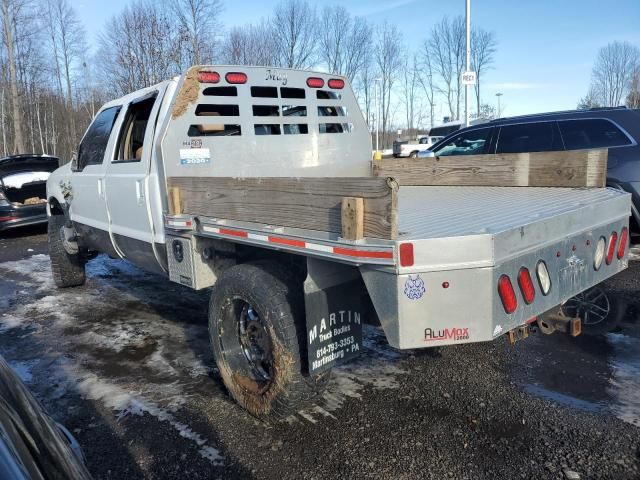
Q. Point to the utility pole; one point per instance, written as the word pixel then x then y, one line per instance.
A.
pixel 466 87
pixel 377 93
pixel 498 95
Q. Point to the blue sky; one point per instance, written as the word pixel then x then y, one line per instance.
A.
pixel 545 47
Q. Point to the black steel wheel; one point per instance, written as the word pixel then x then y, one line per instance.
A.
pixel 256 326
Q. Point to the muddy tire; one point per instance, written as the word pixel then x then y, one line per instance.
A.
pixel 67 270
pixel 413 155
pixel 256 326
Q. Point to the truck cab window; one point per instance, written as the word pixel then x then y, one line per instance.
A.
pixel 94 143
pixel 467 143
pixel 131 139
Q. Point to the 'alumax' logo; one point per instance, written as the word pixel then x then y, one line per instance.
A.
pixel 455 334
pixel 276 76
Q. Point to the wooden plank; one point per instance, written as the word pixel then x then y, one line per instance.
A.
pixel 175 201
pixel 308 203
pixel 352 218
pixel 577 168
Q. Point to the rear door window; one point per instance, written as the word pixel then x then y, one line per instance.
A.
pixel 529 137
pixel 466 143
pixel 94 143
pixel 591 133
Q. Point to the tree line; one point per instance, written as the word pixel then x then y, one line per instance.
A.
pixel 51 84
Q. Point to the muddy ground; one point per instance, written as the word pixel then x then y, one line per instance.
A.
pixel 124 363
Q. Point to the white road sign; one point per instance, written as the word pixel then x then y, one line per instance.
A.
pixel 468 78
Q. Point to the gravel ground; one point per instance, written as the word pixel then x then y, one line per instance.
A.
pixel 124 362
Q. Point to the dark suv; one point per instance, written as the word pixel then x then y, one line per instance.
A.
pixel 617 129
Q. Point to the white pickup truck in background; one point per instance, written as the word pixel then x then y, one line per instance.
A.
pixel 407 148
pixel 259 182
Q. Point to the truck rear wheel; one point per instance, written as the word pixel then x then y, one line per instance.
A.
pixel 67 269
pixel 256 325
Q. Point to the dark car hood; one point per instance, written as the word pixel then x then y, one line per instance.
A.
pixel 21 163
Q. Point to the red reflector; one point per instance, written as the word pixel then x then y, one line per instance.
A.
pixel 613 241
pixel 526 285
pixel 236 77
pixel 507 294
pixel 624 238
pixel 208 77
pixel 233 233
pixel 406 254
pixel 7 219
pixel 315 82
pixel 336 83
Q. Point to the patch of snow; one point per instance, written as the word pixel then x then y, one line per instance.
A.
pixel 129 403
pixel 625 381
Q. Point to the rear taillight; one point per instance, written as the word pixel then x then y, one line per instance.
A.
pixel 315 82
pixel 208 77
pixel 507 294
pixel 598 257
pixel 236 77
pixel 526 285
pixel 406 254
pixel 611 249
pixel 336 83
pixel 624 239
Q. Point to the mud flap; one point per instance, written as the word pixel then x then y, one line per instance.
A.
pixel 334 314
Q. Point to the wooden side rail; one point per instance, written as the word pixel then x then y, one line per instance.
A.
pixel 370 209
pixel 577 168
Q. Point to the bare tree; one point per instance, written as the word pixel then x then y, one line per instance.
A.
pixel 140 47
pixel 410 85
pixel 483 49
pixel 388 56
pixel 68 43
pixel 198 21
pixel 295 29
pixel 251 45
pixel 613 70
pixel 344 41
pixel 447 52
pixel 11 17
pixel 427 80
pixel 633 97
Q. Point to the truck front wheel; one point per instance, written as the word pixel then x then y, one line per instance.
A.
pixel 255 317
pixel 67 269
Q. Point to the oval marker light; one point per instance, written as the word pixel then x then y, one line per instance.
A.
pixel 624 238
pixel 507 294
pixel 611 249
pixel 543 277
pixel 599 255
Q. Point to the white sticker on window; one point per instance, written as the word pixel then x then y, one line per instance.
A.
pixel 194 156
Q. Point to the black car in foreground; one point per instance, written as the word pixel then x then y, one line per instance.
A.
pixel 617 129
pixel 32 445
pixel 23 189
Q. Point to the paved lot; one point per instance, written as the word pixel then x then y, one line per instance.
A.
pixel 124 362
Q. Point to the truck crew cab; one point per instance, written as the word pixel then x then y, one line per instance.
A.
pixel 259 182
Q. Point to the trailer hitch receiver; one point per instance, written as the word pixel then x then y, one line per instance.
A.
pixel 559 323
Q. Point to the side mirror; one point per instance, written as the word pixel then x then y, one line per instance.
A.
pixel 74 161
pixel 426 154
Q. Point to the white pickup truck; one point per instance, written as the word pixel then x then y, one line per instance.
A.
pixel 406 148
pixel 247 179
